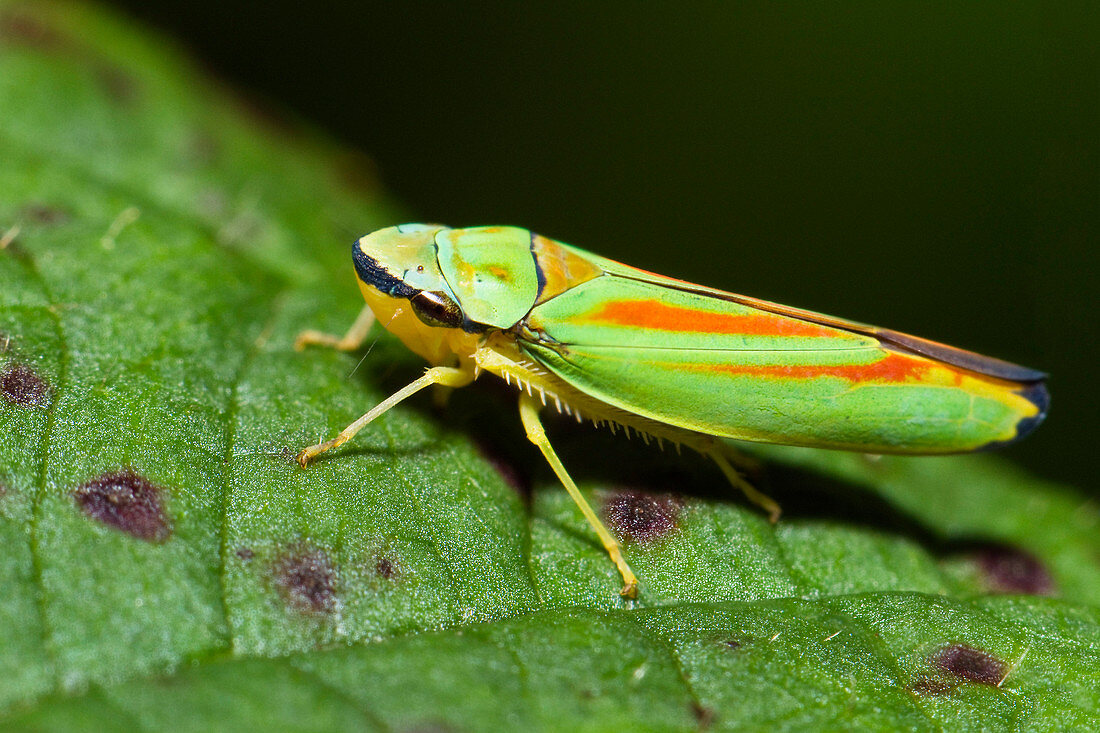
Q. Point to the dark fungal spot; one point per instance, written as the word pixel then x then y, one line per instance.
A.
pixel 120 86
pixel 1008 569
pixel 704 716
pixel 642 517
pixel 44 214
pixel 385 568
pixel 969 664
pixel 933 686
pixel 22 386
pixel 201 148
pixel 245 553
pixel 306 580
pixel 127 501
pixel 28 30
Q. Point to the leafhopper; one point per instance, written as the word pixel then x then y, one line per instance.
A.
pixel 675 361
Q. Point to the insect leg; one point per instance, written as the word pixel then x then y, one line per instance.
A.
pixel 722 454
pixel 350 341
pixel 529 408
pixel 753 494
pixel 446 376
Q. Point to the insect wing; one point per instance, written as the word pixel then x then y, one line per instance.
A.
pixel 727 365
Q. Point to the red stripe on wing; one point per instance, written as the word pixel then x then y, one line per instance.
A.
pixel 660 316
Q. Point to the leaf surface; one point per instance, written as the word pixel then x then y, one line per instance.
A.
pixel 167 565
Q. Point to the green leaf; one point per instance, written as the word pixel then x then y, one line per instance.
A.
pixel 168 566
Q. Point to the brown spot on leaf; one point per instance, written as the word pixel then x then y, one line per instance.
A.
pixel 642 517
pixel 969 664
pixel 22 386
pixel 704 716
pixel 44 214
pixel 245 553
pixel 119 85
pixel 307 580
pixel 933 686
pixel 127 501
pixel 202 148
pixel 1009 569
pixel 386 568
pixel 28 30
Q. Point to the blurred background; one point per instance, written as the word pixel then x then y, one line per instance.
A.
pixel 933 168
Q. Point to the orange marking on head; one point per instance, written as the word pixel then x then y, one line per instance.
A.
pixel 664 317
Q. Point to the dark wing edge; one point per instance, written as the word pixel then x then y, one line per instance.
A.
pixel 969 360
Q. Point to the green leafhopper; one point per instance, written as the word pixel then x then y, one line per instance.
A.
pixel 676 361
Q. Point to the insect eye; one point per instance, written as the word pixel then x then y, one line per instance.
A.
pixel 435 308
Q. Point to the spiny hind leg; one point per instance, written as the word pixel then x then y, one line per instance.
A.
pixel 446 376
pixel 724 456
pixel 350 341
pixel 529 408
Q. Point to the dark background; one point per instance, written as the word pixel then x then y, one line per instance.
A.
pixel 930 168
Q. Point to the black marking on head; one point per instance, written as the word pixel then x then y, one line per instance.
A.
pixel 538 269
pixel 245 553
pixel 473 327
pixel 1009 569
pixel 369 271
pixel 642 517
pixel 127 501
pixel 969 664
pixel 22 386
pixel 306 579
